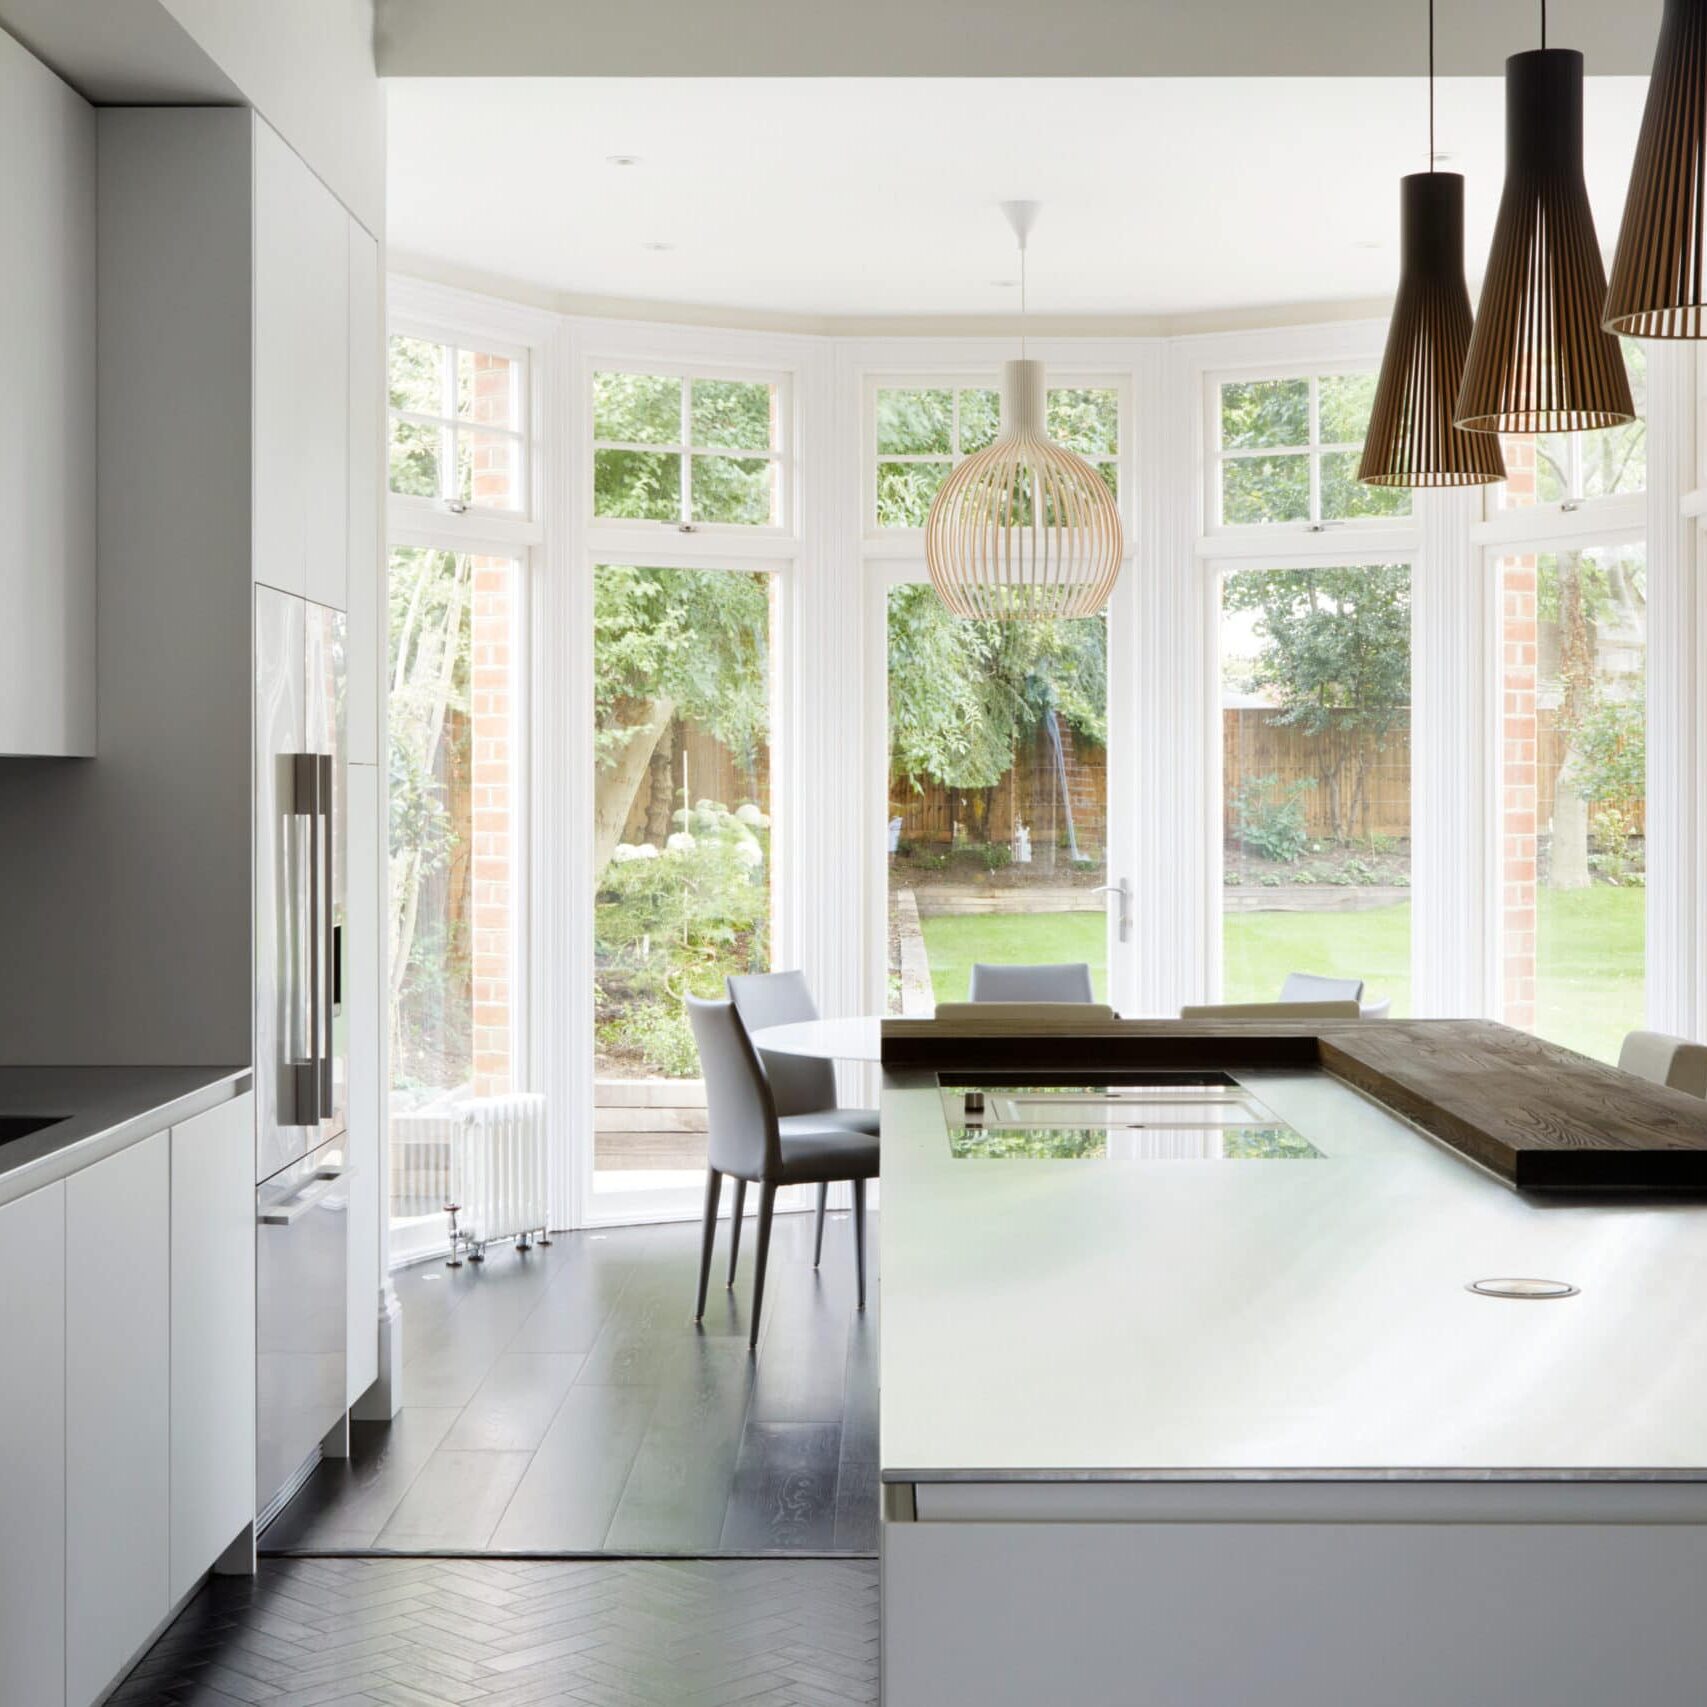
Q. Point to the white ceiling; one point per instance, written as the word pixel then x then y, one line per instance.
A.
pixel 858 199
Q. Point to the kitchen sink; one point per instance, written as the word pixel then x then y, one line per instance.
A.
pixel 16 1126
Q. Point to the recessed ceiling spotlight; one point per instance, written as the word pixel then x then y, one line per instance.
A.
pixel 1005 284
pixel 658 248
pixel 622 159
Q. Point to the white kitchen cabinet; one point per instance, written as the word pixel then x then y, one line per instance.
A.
pixel 213 1336
pixel 365 1142
pixel 47 432
pixel 301 377
pixel 117 1402
pixel 367 444
pixel 32 1449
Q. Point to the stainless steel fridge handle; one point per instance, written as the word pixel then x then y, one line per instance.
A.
pixel 326 945
pixel 287 1214
pixel 305 1072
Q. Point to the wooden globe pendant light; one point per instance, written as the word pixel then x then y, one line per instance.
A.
pixel 1412 440
pixel 1540 361
pixel 1659 274
pixel 1024 528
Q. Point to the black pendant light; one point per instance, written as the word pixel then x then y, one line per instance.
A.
pixel 1412 440
pixel 1540 361
pixel 1657 286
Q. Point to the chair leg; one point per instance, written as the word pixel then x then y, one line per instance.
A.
pixel 859 1237
pixel 736 1210
pixel 823 1204
pixel 713 1191
pixel 767 1203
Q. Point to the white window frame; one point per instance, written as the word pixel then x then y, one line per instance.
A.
pixel 880 541
pixel 1214 570
pixel 517 523
pixel 467 321
pixel 781 454
pixel 1215 457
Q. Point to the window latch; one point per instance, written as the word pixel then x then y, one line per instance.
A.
pixel 686 527
pixel 456 506
pixel 1569 505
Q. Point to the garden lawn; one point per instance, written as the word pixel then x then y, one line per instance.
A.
pixel 1590 956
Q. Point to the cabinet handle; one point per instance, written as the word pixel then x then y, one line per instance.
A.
pixel 287 1214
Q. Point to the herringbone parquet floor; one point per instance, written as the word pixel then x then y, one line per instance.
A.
pixel 514 1633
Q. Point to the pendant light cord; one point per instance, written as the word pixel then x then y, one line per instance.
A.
pixel 1022 299
pixel 1431 85
pixel 1543 23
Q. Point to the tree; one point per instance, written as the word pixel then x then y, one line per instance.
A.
pixel 672 645
pixel 1336 655
pixel 1579 596
pixel 964 695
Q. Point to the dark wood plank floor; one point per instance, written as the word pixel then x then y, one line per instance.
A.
pixel 562 1401
pixel 501 1633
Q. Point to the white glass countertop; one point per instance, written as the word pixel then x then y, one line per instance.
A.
pixel 1123 1317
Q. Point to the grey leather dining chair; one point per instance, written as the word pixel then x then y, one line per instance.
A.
pixel 746 1141
pixel 1061 981
pixel 1665 1060
pixel 802 1086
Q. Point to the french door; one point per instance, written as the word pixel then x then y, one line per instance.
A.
pixel 999 782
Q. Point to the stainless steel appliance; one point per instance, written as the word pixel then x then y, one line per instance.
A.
pixel 301 1056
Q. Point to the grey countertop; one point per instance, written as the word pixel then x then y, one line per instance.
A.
pixel 102 1110
pixel 1078 1320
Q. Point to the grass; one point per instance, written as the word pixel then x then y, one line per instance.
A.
pixel 1589 951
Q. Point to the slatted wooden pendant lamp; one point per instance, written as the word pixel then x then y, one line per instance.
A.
pixel 1540 360
pixel 1658 289
pixel 1024 528
pixel 1412 440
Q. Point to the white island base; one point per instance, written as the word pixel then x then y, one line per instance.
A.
pixel 1237 1433
pixel 1295 1595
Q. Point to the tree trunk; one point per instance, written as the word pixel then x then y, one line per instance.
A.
pixel 1567 866
pixel 617 785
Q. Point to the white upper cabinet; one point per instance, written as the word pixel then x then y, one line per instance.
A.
pixel 301 378
pixel 367 443
pixel 47 428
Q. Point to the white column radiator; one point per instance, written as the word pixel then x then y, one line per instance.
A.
pixel 498 1187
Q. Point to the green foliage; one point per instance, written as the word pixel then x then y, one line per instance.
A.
pixel 646 485
pixel 416 380
pixel 1611 750
pixel 1336 656
pixel 697 637
pixel 1269 818
pixel 1617 856
pixel 1258 414
pixel 673 923
pixel 963 695
pixel 915 422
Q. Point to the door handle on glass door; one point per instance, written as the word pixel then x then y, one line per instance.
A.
pixel 1123 920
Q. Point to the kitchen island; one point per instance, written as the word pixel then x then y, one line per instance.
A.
pixel 1230 1426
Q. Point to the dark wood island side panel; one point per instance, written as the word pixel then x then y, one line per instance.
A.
pixel 1539 1116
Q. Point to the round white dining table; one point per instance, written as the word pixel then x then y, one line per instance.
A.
pixel 856 1039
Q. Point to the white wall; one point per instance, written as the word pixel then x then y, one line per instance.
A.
pixel 47 430
pixel 305 65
